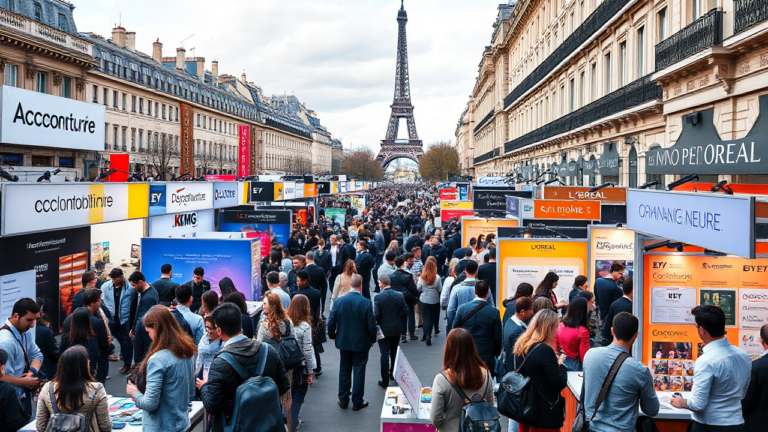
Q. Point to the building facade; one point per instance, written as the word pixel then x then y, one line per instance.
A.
pixel 590 92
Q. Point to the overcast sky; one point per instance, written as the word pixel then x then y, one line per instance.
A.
pixel 337 56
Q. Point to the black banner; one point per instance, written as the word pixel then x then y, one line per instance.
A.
pixel 257 216
pixel 59 258
pixel 699 149
pixel 590 166
pixel 611 214
pixel 495 200
pixel 323 188
pixel 573 168
pixel 261 191
pixel 608 164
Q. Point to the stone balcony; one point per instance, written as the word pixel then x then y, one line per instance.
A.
pixel 29 30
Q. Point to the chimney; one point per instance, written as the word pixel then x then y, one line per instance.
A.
pixel 215 68
pixel 130 40
pixel 181 58
pixel 118 36
pixel 157 51
pixel 200 66
pixel 242 78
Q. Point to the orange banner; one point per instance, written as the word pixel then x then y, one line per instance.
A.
pixel 610 194
pixel 561 209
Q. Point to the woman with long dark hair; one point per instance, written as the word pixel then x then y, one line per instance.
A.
pixel 209 301
pixel 429 286
pixel 546 289
pixel 463 368
pixel 299 314
pixel 226 286
pixel 167 370
pixel 75 391
pixel 573 334
pixel 45 340
pixel 81 333
pixel 238 299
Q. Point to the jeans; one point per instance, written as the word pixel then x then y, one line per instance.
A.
pixel 388 348
pixel 572 364
pixel 121 333
pixel 323 295
pixel 512 426
pixel 698 427
pixel 410 320
pixel 431 313
pixel 299 389
pixel 352 361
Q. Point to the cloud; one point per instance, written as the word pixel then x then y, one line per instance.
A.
pixel 336 56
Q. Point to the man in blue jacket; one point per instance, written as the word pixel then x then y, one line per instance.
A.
pixel 607 290
pixel 352 327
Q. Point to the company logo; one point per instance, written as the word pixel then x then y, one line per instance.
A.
pixel 588 195
pixel 188 198
pixel 84 202
pixel 669 333
pixel 527 207
pixel 672 277
pixel 46 243
pixel 155 198
pixel 224 194
pixel 755 268
pixel 256 190
pixel 543 247
pixel 754 297
pixel 666 265
pixel 608 246
pixel 185 220
pixel 707 266
pixel 52 121
pixel 751 319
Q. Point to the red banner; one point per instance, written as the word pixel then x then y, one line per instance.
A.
pixel 449 194
pixel 120 162
pixel 446 215
pixel 244 152
pixel 221 177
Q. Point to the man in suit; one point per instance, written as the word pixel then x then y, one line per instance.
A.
pixel 754 406
pixel 334 250
pixel 380 248
pixel 487 271
pixel 299 262
pixel 414 240
pixel 317 279
pixel 92 302
pixel 199 286
pixel 623 304
pixel 352 327
pixel 147 297
pixel 482 321
pixel 365 262
pixel 305 288
pixel 516 326
pixel 607 290
pixel 389 308
pixel 466 259
pixel 348 252
pixel 438 251
pixel 402 281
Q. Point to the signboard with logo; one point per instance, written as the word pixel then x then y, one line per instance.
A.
pixel 723 223
pixel 449 194
pixel 472 227
pixel 188 196
pixel 187 140
pixel 455 205
pixel 243 151
pixel 495 200
pixel 39 119
pixel 289 190
pixel 608 245
pixel 224 194
pixel 50 206
pixel 323 188
pixel 492 182
pixel 262 192
pixel 463 191
pixel 185 224
pixel 513 206
pixel 310 190
pixel 529 260
pixel 610 194
pixel 276 224
pixel 608 164
pixel 561 209
pixel 156 199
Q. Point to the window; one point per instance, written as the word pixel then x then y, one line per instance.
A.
pixel 177 114
pixel 573 94
pixel 133 139
pixel 66 162
pixel 66 87
pixel 12 5
pixel 640 51
pixel 607 68
pixel 594 82
pixel 157 111
pixel 125 143
pixel 95 94
pixel 42 82
pixel 106 97
pixel 38 12
pixel 214 126
pixel 114 99
pixel 696 8
pixel 661 21
pixel 581 89
pixel 133 103
pixel 623 63
pixel 42 161
pixel 114 138
pixel 141 105
pixel 125 101
pixel 12 159
pixel 163 111
pixel 149 107
pixel 562 100
pixel 63 24
pixel 198 120
pixel 12 75
pixel 141 139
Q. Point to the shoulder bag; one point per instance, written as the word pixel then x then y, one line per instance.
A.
pixel 580 423
pixel 515 394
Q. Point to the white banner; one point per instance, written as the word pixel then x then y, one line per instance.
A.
pixel 39 119
pixel 289 190
pixel 181 224
pixel 225 194
pixel 14 287
pixel 188 196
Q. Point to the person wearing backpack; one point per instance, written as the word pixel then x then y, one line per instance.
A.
pixel 74 401
pixel 220 390
pixel 535 358
pixel 464 371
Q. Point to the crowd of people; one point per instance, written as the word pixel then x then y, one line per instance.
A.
pixel 388 272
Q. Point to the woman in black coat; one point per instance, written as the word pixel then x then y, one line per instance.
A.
pixel 548 375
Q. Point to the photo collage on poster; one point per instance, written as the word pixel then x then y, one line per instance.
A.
pixel 672 366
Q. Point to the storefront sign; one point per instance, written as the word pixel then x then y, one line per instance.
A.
pixel 449 194
pixel 39 119
pixel 181 224
pixel 722 223
pixel 244 151
pixel 224 194
pixel 187 140
pixel 188 196
pixel 608 164
pixel 561 209
pixel 495 200
pixel 50 206
pixel 608 245
pixel 611 194
pixel 700 150
pixel 456 205
pixel 492 181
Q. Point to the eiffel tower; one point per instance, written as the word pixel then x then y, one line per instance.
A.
pixel 391 147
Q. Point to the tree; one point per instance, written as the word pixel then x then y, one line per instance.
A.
pixel 297 164
pixel 159 153
pixel 362 164
pixel 439 162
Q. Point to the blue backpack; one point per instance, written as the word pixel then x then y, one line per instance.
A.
pixel 255 391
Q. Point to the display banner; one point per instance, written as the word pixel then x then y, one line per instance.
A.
pixel 188 196
pixel 608 164
pixel 39 119
pixel 122 163
pixel 590 166
pixel 608 245
pixel 334 188
pixel 225 194
pixel 275 223
pixel 472 227
pixel 243 151
pixel 463 191
pixel 513 206
pixel 255 160
pixel 49 206
pixel 407 380
pixel 542 233
pixel 455 205
pixel 357 202
pixel 221 177
pixel 261 192
pixel 609 194
pixel 323 188
pixel 14 287
pixel 299 191
pixel 449 194
pixel 289 190
pixel 335 218
pixel 187 140
pixel 59 259
pixel 492 181
pixel 343 186
pixel 181 224
pixel 723 223
pixel 529 260
pixel 561 209
pixel 495 200
pixel 239 260
pixel 676 283
pixel 447 215
pixel 156 199
pixel 310 190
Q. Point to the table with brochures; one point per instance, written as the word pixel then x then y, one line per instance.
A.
pixel 406 420
pixel 669 419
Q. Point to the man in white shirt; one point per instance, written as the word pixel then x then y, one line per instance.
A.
pixel 335 251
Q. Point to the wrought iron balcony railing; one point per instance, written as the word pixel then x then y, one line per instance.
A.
pixel 488 156
pixel 705 32
pixel 587 29
pixel 748 13
pixel 484 121
pixel 635 93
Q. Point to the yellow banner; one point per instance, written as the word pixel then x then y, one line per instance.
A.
pixel 455 205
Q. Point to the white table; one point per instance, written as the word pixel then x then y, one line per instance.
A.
pixel 407 422
pixel 196 416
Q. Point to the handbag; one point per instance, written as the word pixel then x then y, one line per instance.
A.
pixel 580 424
pixel 319 331
pixel 515 394
pixel 136 376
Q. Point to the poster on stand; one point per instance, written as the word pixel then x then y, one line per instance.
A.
pixel 335 218
pixel 672 305
pixel 609 245
pixel 14 287
pixel 407 380
pixel 724 298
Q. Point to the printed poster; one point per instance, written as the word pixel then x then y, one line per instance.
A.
pixel 724 298
pixel 672 305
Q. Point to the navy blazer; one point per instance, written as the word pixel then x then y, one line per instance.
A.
pixel 351 323
pixel 606 292
pixel 485 328
pixel 755 404
pixel 390 310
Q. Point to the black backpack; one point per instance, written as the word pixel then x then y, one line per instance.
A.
pixel 255 391
pixel 515 395
pixel 477 414
pixel 289 349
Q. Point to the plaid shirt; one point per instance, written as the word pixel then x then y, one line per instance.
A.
pixel 417 266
